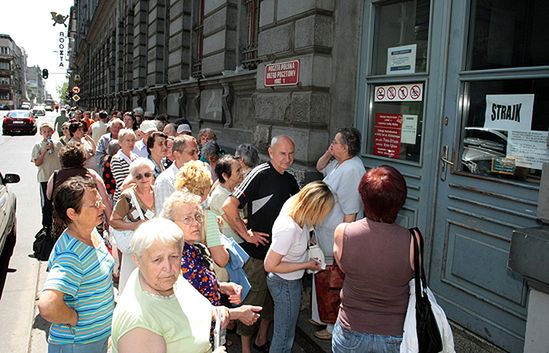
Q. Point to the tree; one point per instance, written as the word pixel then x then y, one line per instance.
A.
pixel 62 91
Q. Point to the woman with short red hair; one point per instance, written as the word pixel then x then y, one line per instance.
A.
pixel 376 256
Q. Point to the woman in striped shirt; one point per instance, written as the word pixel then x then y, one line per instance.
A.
pixel 120 162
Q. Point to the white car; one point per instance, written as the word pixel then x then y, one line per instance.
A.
pixel 25 106
pixel 38 111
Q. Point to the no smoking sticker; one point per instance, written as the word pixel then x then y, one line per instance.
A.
pixel 412 92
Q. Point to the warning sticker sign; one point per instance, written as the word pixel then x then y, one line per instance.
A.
pixel 411 92
pixel 387 133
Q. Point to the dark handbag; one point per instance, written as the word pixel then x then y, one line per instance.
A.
pixel 43 244
pixel 328 284
pixel 428 333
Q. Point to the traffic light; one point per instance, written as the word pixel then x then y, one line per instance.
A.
pixel 45 73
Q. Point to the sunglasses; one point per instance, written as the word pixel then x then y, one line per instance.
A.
pixel 144 175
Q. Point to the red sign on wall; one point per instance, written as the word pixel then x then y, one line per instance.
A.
pixel 387 131
pixel 282 74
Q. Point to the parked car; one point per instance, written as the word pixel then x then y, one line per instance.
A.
pixel 19 121
pixel 8 224
pixel 25 106
pixel 38 111
pixel 48 108
pixel 4 107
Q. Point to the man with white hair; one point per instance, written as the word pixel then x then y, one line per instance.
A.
pixel 184 149
pixel 170 130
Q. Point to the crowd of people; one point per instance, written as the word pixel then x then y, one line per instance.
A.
pixel 164 240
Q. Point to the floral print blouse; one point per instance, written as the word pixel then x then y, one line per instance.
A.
pixel 195 268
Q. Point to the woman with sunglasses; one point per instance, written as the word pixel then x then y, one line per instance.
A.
pixel 126 215
pixel 66 134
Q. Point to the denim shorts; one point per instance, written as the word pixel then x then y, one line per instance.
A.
pixel 94 347
pixel 347 341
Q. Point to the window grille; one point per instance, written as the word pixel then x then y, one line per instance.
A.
pixel 198 40
pixel 249 50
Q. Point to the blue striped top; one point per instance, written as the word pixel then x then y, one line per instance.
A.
pixel 84 274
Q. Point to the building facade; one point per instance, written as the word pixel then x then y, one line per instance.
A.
pixel 13 65
pixel 452 93
pixel 35 85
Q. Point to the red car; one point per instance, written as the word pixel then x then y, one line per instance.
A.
pixel 21 121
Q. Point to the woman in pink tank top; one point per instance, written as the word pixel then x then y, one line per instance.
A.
pixel 374 253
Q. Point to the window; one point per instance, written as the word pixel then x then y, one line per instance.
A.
pixel 4 65
pixel 401 28
pixel 504 132
pixel 198 38
pixel 507 33
pixel 4 81
pixel 5 95
pixel 489 147
pixel 249 49
pixel 4 50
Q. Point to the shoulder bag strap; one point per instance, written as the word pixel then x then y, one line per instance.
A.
pixel 419 272
pixel 136 204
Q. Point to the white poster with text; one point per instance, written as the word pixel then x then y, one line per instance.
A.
pixel 528 148
pixel 511 112
pixel 409 129
pixel 401 60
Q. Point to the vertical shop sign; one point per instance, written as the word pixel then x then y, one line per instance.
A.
pixel 62 48
pixel 387 132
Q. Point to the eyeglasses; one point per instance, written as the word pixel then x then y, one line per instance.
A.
pixel 64 128
pixel 144 175
pixel 98 203
pixel 188 220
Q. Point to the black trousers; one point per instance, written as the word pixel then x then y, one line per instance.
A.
pixel 47 206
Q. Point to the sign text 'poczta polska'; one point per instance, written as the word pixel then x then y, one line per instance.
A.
pixel 282 74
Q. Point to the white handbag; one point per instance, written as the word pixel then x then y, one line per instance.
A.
pixel 123 237
pixel 314 252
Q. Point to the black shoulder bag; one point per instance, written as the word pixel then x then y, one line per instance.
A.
pixel 428 333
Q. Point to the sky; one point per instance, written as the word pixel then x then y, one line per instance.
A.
pixel 30 25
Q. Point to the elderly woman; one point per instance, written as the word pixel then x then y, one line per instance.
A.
pixel 120 162
pixel 72 159
pixel 77 297
pixel 342 169
pixel 375 290
pixel 158 150
pixel 156 312
pixel 126 215
pixel 78 131
pixel 195 178
pixel 248 156
pixel 229 175
pixel 184 209
pixel 287 259
pixel 211 152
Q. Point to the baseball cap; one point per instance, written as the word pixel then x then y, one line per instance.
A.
pixel 148 126
pixel 183 128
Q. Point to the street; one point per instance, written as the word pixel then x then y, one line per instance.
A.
pixel 20 275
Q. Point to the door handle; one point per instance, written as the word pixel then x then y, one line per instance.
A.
pixel 444 163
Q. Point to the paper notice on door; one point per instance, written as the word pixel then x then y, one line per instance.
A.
pixel 409 129
pixel 509 112
pixel 528 148
pixel 401 60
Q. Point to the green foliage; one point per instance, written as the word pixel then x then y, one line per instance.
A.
pixel 62 91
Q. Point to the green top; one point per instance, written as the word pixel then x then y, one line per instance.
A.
pixel 184 328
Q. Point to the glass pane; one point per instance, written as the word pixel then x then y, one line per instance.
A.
pixel 507 140
pixel 401 24
pixel 508 33
pixel 395 128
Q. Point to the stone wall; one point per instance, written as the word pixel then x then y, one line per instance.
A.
pixel 185 59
